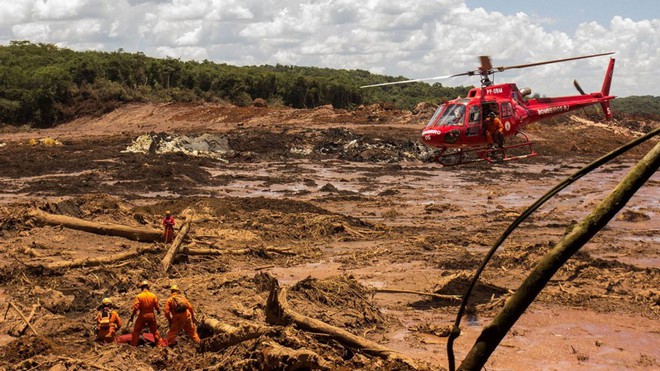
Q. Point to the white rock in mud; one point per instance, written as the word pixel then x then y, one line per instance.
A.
pixel 350 145
pixel 301 151
pixel 205 145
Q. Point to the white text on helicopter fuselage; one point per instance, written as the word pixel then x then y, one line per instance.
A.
pixel 545 111
pixel 494 91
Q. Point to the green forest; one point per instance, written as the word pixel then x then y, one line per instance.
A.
pixel 43 85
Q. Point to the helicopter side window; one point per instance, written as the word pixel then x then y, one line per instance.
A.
pixel 454 115
pixel 507 110
pixel 475 115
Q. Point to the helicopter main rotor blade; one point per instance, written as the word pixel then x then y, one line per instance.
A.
pixel 408 81
pixel 487 68
pixel 485 63
pixel 503 68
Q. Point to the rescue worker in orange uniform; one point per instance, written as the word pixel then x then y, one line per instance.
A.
pixel 168 225
pixel 108 322
pixel 180 314
pixel 145 304
pixel 494 130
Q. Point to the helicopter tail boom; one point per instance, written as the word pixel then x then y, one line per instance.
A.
pixel 605 90
pixel 607 82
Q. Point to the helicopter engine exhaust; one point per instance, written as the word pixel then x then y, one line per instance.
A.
pixel 525 91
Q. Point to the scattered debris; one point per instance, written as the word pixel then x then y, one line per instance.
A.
pixel 204 145
pixel 48 142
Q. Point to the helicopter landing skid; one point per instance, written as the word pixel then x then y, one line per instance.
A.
pixel 489 154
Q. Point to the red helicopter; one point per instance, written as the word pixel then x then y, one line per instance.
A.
pixel 458 127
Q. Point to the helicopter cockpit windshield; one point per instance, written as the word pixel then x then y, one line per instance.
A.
pixel 448 115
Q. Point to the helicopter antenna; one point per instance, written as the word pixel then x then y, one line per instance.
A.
pixel 486 70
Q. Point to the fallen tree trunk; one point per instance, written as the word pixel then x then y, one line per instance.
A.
pixel 278 357
pixel 278 311
pixel 493 333
pixel 176 244
pixel 431 294
pixel 227 335
pixel 92 262
pixel 108 229
pixel 189 251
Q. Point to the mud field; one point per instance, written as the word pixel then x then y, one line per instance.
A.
pixel 335 206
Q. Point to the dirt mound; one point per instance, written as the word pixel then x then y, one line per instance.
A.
pixel 25 348
pixel 633 216
pixel 456 284
pixel 341 295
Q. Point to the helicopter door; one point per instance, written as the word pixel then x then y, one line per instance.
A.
pixel 474 121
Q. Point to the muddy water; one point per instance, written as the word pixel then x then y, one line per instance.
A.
pixel 573 338
pixel 481 201
pixel 513 187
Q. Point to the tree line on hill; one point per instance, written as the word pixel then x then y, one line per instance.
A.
pixel 43 85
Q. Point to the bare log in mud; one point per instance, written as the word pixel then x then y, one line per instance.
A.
pixel 189 251
pixel 278 311
pixel 226 335
pixel 570 244
pixel 281 357
pixel 108 229
pixel 92 262
pixel 29 318
pixel 433 295
pixel 174 248
pixel 27 321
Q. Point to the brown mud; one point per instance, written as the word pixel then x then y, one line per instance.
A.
pixel 333 204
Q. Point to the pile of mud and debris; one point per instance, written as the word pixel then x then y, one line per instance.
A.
pixel 65 257
pixel 329 143
pixel 204 145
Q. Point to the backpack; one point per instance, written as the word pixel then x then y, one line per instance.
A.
pixel 105 318
pixel 179 304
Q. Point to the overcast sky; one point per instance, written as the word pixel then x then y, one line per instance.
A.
pixel 410 38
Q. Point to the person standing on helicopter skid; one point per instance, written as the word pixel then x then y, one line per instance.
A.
pixel 494 130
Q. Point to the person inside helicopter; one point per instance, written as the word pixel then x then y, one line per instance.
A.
pixel 448 115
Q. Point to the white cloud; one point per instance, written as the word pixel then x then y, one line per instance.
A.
pixel 406 37
pixel 57 9
pixel 37 32
pixel 184 53
pixel 15 11
pixel 84 29
pixel 184 10
pixel 190 37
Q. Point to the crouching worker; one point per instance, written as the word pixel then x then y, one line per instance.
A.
pixel 180 314
pixel 145 304
pixel 108 322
